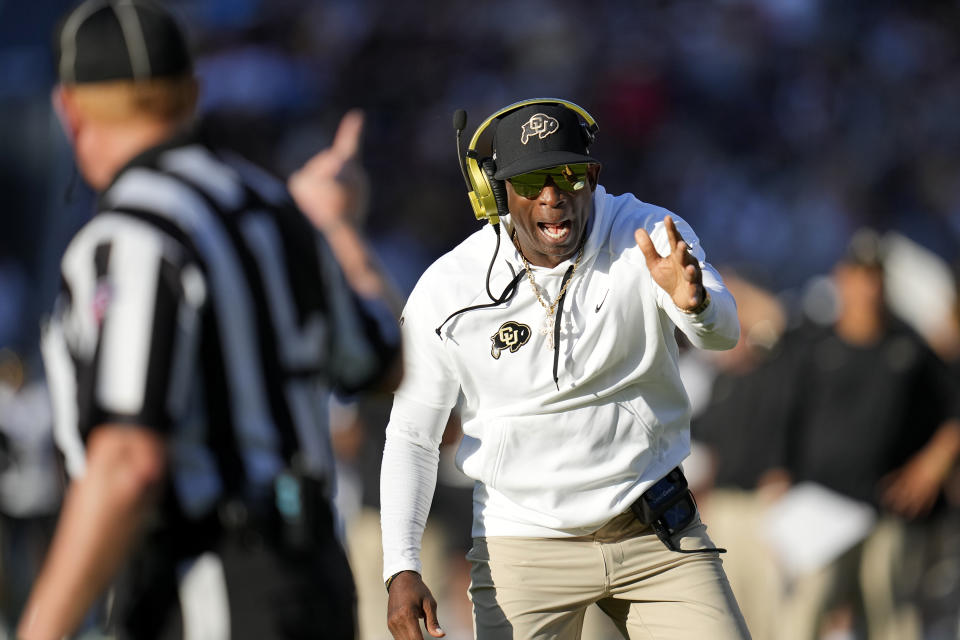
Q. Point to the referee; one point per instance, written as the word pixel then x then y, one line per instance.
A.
pixel 202 323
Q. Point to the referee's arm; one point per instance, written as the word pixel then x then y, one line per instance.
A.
pixel 102 514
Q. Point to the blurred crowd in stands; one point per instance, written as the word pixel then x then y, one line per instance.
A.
pixel 775 127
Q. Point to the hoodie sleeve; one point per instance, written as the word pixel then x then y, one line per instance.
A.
pixel 421 407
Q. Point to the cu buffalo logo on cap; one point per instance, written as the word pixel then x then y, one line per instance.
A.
pixel 540 125
pixel 511 335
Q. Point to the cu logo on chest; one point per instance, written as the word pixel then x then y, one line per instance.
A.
pixel 511 335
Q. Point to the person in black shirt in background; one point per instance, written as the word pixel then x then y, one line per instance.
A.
pixel 866 409
pixel 202 323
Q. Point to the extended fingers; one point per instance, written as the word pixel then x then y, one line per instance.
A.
pixel 680 251
pixel 430 618
pixel 672 234
pixel 646 246
pixel 682 259
pixel 676 245
pixel 346 142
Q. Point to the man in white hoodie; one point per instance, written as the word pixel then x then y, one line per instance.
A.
pixel 574 433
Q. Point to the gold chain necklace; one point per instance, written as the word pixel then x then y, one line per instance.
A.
pixel 548 328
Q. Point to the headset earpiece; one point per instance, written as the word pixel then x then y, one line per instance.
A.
pixel 497 189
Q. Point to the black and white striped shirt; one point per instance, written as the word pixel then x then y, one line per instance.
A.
pixel 200 303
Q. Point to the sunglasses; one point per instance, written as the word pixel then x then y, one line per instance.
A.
pixel 569 177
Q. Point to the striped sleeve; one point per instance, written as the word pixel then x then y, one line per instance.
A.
pixel 131 315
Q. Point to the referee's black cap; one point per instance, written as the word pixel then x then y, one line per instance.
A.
pixel 104 40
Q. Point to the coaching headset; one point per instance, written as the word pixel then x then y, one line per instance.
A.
pixel 487 195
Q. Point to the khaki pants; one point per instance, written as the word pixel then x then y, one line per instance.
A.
pixel 539 588
pixel 736 520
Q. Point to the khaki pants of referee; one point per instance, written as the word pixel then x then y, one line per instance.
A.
pixel 539 588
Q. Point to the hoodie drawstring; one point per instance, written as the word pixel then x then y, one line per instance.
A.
pixel 508 292
pixel 556 326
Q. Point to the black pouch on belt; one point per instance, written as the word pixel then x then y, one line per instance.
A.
pixel 667 506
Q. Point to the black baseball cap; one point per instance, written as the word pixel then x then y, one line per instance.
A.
pixel 539 136
pixel 103 40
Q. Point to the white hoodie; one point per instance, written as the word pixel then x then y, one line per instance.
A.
pixel 551 457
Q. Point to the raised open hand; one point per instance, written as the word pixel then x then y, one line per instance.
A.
pixel 332 187
pixel 677 273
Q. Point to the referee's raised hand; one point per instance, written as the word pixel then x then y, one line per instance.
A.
pixel 332 190
pixel 332 187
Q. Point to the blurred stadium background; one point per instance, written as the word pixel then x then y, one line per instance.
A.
pixel 775 127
